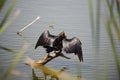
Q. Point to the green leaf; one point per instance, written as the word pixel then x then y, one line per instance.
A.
pixel 14 62
pixel 8 49
pixel 115 55
pixel 105 73
pixel 91 18
pixel 116 27
pixel 2 27
pixel 2 2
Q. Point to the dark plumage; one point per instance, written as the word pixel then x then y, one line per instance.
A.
pixel 50 42
pixel 73 45
pixel 59 42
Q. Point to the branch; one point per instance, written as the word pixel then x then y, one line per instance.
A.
pixel 45 60
pixel 48 71
pixel 40 64
pixel 48 58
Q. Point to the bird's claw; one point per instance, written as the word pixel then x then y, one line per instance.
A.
pixel 62 55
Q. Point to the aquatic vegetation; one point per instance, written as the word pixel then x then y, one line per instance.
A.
pixel 3 23
pixel 111 21
pixel 112 24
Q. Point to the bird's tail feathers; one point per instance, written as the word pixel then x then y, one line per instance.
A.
pixel 80 54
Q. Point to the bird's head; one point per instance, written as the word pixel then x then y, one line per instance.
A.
pixel 62 35
pixel 59 39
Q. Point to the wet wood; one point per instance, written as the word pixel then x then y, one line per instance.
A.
pixel 56 74
pixel 48 58
pixel 46 71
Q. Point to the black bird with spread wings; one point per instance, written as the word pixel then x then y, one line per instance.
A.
pixel 60 42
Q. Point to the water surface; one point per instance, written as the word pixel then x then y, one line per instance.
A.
pixel 72 16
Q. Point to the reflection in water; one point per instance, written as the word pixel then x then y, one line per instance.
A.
pixel 35 77
pixel 48 72
pixel 52 77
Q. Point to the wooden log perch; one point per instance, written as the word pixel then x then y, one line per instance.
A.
pixel 46 71
pixel 40 65
pixel 48 58
pixel 45 60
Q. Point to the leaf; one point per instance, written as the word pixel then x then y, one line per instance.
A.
pixel 14 62
pixel 2 2
pixel 105 73
pixel 115 55
pixel 3 24
pixel 116 27
pixel 8 49
pixel 91 18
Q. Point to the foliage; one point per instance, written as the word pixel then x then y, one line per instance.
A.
pixel 112 21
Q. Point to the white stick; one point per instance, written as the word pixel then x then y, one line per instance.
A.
pixel 29 24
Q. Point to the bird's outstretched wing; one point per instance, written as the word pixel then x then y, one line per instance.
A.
pixel 73 46
pixel 45 39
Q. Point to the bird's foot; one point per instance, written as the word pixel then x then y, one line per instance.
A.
pixel 62 55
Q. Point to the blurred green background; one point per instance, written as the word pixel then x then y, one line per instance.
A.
pixel 95 22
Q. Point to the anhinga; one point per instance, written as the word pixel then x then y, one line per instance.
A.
pixel 60 42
